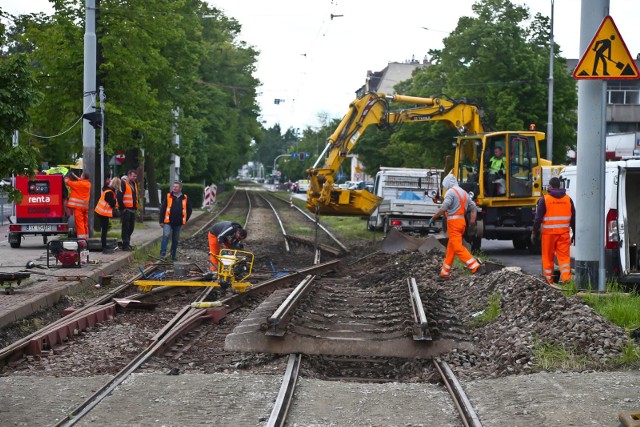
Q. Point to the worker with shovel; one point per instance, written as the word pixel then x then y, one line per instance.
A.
pixel 455 205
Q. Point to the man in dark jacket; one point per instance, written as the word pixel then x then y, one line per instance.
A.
pixel 174 213
pixel 226 234
pixel 555 217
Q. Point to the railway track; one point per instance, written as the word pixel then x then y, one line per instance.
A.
pixel 195 337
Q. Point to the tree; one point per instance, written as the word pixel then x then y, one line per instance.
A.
pixel 496 61
pixel 18 94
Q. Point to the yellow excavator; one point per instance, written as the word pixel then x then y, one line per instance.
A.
pixel 506 198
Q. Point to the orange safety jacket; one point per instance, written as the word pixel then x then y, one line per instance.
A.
pixel 168 211
pixel 127 198
pixel 463 206
pixel 103 208
pixel 80 194
pixel 557 219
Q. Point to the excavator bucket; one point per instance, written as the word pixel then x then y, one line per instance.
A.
pixel 347 203
pixel 396 241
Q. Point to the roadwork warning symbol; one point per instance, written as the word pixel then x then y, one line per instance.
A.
pixel 607 57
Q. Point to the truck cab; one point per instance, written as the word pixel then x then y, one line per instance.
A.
pixel 622 222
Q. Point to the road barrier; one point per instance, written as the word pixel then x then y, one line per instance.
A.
pixel 209 195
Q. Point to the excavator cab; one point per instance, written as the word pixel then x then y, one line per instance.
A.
pixel 500 168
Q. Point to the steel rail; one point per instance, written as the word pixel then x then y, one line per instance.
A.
pixel 284 231
pixel 460 399
pixel 182 322
pixel 287 389
pixel 277 322
pixel 310 218
pixel 421 326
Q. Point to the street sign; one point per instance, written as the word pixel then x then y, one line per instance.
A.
pixel 607 57
pixel 120 157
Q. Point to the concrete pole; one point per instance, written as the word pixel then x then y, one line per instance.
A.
pixel 174 167
pixel 103 99
pixel 589 261
pixel 88 132
pixel 550 101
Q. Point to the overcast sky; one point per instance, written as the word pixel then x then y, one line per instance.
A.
pixel 315 63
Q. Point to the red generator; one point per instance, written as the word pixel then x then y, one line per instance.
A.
pixel 42 209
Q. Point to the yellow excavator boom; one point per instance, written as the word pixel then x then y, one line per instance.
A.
pixel 373 108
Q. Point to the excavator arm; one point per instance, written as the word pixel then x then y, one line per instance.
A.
pixel 373 108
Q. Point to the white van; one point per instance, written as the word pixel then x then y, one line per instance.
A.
pixel 622 222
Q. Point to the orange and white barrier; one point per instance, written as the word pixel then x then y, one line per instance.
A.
pixel 209 195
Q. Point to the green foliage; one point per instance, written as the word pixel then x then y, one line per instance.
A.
pixel 619 308
pixel 492 311
pixel 510 88
pixel 167 66
pixel 550 356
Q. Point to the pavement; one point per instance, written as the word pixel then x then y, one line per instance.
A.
pixel 46 286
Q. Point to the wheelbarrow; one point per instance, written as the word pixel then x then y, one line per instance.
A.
pixel 10 281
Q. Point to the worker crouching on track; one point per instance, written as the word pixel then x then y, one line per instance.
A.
pixel 227 233
pixel 456 203
pixel 79 202
pixel 555 215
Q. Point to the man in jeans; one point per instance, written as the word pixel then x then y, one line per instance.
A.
pixel 128 202
pixel 174 213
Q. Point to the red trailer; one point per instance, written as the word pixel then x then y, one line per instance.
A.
pixel 42 209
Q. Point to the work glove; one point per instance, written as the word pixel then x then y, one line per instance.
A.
pixel 535 238
pixel 431 222
pixel 573 239
pixel 472 229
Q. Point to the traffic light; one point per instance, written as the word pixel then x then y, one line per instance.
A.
pixel 95 119
pixel 301 156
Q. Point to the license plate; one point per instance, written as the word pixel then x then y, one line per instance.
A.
pixel 39 228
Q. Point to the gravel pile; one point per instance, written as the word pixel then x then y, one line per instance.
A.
pixel 532 315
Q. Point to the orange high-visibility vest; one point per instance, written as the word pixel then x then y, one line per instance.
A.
pixel 103 208
pixel 80 194
pixel 127 198
pixel 463 206
pixel 168 211
pixel 557 219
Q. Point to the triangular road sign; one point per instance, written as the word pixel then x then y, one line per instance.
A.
pixel 607 57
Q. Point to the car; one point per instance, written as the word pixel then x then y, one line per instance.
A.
pixel 303 185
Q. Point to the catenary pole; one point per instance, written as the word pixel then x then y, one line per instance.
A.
pixel 589 257
pixel 550 101
pixel 89 96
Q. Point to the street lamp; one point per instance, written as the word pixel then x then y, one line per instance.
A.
pixel 550 101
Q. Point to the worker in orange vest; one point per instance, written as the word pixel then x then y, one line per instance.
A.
pixel 455 205
pixel 175 211
pixel 104 210
pixel 128 204
pixel 556 216
pixel 79 202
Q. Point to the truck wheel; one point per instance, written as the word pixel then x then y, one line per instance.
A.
pixel 535 249
pixel 476 243
pixel 16 245
pixel 521 243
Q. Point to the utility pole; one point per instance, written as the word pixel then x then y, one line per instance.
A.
pixel 590 169
pixel 88 132
pixel 174 167
pixel 550 101
pixel 103 99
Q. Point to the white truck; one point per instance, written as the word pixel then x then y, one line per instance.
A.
pixel 408 199
pixel 622 222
